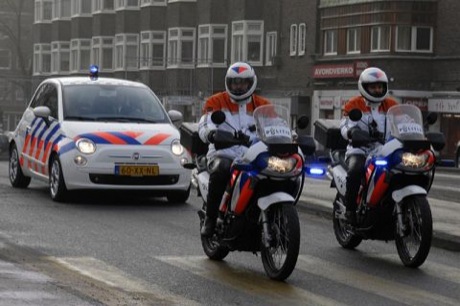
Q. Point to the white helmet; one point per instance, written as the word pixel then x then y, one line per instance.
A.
pixel 240 73
pixel 373 75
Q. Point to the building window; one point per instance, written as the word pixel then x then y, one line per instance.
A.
pixel 102 53
pixel 247 42
pixel 153 49
pixel 81 8
pixel 5 59
pixel 80 54
pixel 181 47
pixel 126 51
pixel 212 45
pixel 293 40
pixel 172 1
pixel 302 38
pixel 106 6
pixel 126 4
pixel 380 38
pixel 61 9
pixel 330 42
pixel 42 59
pixel 60 57
pixel 270 52
pixel 414 39
pixel 153 2
pixel 353 41
pixel 43 11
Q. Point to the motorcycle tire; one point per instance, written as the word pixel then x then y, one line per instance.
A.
pixel 211 246
pixel 280 258
pixel 346 238
pixel 414 246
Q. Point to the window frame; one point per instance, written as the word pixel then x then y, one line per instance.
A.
pixel 76 9
pixel 379 38
pixel 98 45
pixel 123 40
pixel 271 47
pixel 124 5
pixel 145 3
pixel 332 44
pixel 302 43
pixel 58 48
pixel 356 40
pixel 241 34
pixel 99 6
pixel 39 11
pixel 175 46
pixel 77 47
pixel 293 37
pixel 58 8
pixel 413 39
pixel 41 50
pixel 210 37
pixel 149 42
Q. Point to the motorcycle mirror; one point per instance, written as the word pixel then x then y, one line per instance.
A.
pixel 355 114
pixel 218 117
pixel 303 122
pixel 431 118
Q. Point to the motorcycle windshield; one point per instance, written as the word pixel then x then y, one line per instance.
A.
pixel 273 124
pixel 405 122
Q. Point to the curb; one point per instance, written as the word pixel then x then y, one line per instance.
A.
pixel 320 207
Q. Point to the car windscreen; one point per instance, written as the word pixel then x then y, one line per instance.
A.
pixel 112 103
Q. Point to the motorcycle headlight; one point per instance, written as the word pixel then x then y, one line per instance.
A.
pixel 281 165
pixel 415 161
pixel 177 148
pixel 86 146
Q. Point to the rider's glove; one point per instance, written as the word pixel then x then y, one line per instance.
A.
pixel 351 131
pixel 211 136
pixel 376 134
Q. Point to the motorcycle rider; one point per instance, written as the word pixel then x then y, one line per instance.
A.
pixel 374 104
pixel 238 102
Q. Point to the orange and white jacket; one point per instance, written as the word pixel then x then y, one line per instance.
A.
pixel 371 113
pixel 239 116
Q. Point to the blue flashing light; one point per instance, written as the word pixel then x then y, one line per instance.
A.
pixel 93 72
pixel 381 162
pixel 315 171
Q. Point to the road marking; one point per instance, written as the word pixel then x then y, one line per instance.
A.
pixel 114 277
pixel 388 289
pixel 431 268
pixel 247 281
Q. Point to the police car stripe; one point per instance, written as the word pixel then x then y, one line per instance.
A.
pixel 95 138
pixel 126 138
pixel 66 148
pixel 157 139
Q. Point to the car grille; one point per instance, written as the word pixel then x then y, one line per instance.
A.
pixel 109 179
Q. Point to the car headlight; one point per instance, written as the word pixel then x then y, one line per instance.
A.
pixel 281 165
pixel 176 147
pixel 86 146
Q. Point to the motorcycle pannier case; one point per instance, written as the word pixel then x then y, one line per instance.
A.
pixel 190 140
pixel 327 133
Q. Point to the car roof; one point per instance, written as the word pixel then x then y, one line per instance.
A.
pixel 81 80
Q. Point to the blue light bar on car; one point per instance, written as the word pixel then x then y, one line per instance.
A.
pixel 93 72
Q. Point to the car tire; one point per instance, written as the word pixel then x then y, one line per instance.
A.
pixel 58 189
pixel 17 177
pixel 179 196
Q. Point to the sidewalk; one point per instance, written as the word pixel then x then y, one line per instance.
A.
pixel 318 197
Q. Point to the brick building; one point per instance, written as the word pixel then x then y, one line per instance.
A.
pixel 307 54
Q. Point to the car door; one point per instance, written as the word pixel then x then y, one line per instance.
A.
pixel 33 131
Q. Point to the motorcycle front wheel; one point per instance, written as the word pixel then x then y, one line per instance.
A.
pixel 415 243
pixel 280 258
pixel 345 237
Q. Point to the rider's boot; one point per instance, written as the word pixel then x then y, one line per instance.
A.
pixel 208 226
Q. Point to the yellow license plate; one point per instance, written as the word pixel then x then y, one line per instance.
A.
pixel 137 170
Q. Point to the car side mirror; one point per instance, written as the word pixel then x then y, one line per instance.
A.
pixel 176 117
pixel 43 112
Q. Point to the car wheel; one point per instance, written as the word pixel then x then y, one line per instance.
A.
pixel 17 178
pixel 58 190
pixel 179 196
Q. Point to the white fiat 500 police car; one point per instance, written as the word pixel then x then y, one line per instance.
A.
pixel 99 133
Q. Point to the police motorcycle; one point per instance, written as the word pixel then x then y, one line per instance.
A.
pixel 257 212
pixel 392 200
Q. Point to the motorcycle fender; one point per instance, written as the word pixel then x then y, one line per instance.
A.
pixel 277 197
pixel 400 194
pixel 339 177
